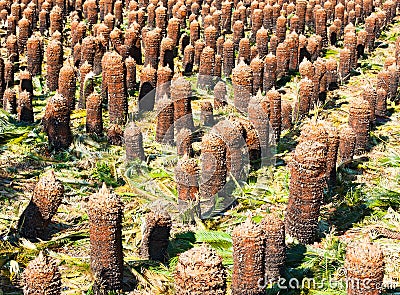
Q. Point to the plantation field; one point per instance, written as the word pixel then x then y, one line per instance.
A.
pixel 363 204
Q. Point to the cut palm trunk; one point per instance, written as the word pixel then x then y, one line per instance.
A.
pixel 105 210
pixel 200 272
pixel 156 235
pixel 42 276
pixel 46 199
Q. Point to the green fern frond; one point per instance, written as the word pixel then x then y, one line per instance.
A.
pixel 392 160
pixel 383 198
pixel 223 239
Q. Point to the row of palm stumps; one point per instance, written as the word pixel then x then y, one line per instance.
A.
pixel 160 32
pixel 258 249
pixel 113 77
pixel 119 71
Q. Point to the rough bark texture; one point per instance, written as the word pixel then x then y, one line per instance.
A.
pixel 259 116
pixel 257 66
pixel 213 170
pixel 130 65
pixel 256 23
pixel 369 94
pixel 344 63
pixel 181 93
pixel 365 268
pixel 347 141
pixel 47 197
pixel 200 272
pixel 67 85
pixel 393 82
pixel 332 74
pixel 88 50
pixel 273 44
pixel 274 98
pixel 220 95
pixel 105 210
pixel 308 174
pixel 287 111
pixel 167 49
pixel 262 42
pixel 12 50
pixel 56 20
pixel 34 55
pixel 173 29
pixel 228 57
pixel 252 143
pixel 275 248
pixel 210 37
pixel 383 81
pixel 269 72
pixel 248 259
pixel 320 81
pixel 306 93
pixel 56 122
pixel 184 140
pixel 206 68
pixel 232 134
pixel 282 60
pixel 117 96
pixel 359 120
pixel 98 56
pixel 238 33
pixel 370 27
pixel 94 118
pixel 54 56
pixel 115 134
pixel 161 19
pixel 187 180
pixel 244 52
pixel 315 131
pixel 306 69
pixel 242 81
pixel 194 32
pixel 10 101
pixel 42 276
pixel 320 25
pixel 25 31
pixel 24 107
pixel 155 237
pixel 381 103
pixel 188 59
pixel 206 115
pixel 332 154
pixel 148 83
pixel 350 42
pixel 164 77
pixel 86 84
pixel 133 143
pixel 9 76
pixel 198 49
pixel 281 28
pixel 152 40
pixel 165 121
pixel 11 25
pixel 293 44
